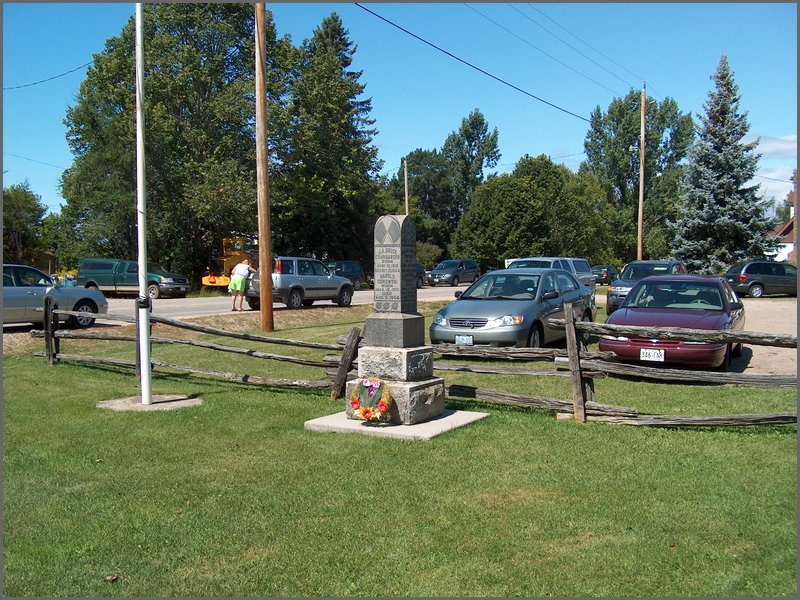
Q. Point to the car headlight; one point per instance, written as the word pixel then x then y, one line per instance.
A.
pixel 505 321
pixel 439 320
pixel 615 338
pixel 447 276
pixel 619 288
pixel 166 280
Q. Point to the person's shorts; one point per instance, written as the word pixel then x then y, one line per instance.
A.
pixel 238 283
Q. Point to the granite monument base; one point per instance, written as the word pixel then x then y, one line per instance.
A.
pixel 395 330
pixel 412 401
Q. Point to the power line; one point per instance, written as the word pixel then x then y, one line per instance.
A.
pixel 586 56
pixel 773 179
pixel 16 87
pixel 592 47
pixel 461 60
pixel 540 50
pixel 34 160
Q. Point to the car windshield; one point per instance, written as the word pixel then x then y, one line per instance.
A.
pixel 640 271
pixel 447 264
pixel 154 267
pixel 673 294
pixel 530 264
pixel 503 287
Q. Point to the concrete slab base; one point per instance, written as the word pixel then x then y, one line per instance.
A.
pixel 447 421
pixel 161 402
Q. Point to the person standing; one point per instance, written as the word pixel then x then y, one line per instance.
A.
pixel 239 276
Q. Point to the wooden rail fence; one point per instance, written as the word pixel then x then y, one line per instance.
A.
pixel 53 335
pixel 575 362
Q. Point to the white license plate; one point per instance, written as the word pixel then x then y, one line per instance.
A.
pixel 651 354
pixel 464 340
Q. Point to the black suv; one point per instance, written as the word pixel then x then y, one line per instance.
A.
pixel 351 269
pixel 633 272
pixel 605 274
pixel 758 277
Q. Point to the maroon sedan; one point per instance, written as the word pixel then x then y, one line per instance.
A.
pixel 685 301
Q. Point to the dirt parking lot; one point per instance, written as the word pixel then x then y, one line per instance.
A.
pixel 769 315
pixel 764 315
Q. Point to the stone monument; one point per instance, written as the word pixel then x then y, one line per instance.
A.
pixel 394 334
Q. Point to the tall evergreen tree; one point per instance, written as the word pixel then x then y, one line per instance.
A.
pixel 722 219
pixel 322 203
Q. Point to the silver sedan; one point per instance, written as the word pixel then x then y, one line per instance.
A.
pixel 512 307
pixel 24 290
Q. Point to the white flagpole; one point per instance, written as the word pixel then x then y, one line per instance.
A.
pixel 143 302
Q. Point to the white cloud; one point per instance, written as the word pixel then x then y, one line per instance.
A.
pixel 773 147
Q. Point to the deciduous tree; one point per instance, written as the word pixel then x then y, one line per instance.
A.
pixel 22 222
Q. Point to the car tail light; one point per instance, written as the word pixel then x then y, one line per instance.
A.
pixel 742 277
pixel 278 266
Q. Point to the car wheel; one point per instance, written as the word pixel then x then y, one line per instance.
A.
pixel 755 291
pixel 153 291
pixel 419 282
pixel 87 307
pixel 726 362
pixel 254 303
pixel 345 297
pixel 295 299
pixel 455 281
pixel 536 337
pixel 584 337
pixel 357 284
pixel 308 302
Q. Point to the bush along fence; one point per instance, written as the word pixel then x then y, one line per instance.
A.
pixel 575 362
pixel 53 335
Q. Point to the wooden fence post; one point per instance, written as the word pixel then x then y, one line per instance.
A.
pixel 573 351
pixel 348 356
pixel 48 330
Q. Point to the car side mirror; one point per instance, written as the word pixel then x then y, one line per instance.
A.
pixel 458 294
pixel 550 295
pixel 737 305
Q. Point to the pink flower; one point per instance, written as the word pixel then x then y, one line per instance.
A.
pixel 372 387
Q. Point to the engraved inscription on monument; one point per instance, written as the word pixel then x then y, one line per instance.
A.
pixel 395 263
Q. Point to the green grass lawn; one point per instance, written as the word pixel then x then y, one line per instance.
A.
pixel 235 498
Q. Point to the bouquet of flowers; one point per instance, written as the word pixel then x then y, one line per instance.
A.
pixel 371 400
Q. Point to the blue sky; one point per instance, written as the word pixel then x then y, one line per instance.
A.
pixel 574 56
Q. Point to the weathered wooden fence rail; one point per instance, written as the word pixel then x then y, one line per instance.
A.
pixel 53 336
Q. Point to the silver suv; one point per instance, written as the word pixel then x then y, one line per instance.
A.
pixel 579 267
pixel 299 281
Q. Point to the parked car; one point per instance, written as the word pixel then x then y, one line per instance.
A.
pixel 687 301
pixel 453 272
pixel 577 266
pixel 605 274
pixel 351 269
pixel 299 281
pixel 24 290
pixel 759 277
pixel 118 276
pixel 512 307
pixel 422 276
pixel 633 272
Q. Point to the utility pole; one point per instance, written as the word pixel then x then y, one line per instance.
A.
pixel 262 176
pixel 640 236
pixel 405 169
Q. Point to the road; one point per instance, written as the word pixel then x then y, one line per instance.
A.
pixel 184 308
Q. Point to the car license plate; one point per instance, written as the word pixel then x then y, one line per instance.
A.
pixel 651 354
pixel 464 340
